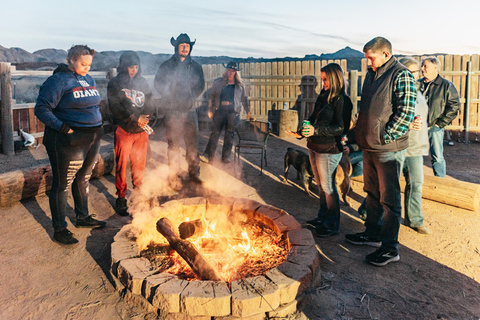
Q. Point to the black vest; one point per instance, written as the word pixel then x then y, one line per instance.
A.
pixel 377 108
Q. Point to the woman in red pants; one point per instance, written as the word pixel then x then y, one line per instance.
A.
pixel 130 102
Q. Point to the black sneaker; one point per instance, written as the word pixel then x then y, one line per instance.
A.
pixel 362 239
pixel 90 222
pixel 382 257
pixel 121 207
pixel 64 237
pixel 314 223
pixel 323 232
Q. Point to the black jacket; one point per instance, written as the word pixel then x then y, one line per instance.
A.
pixel 442 99
pixel 128 98
pixel 328 118
pixel 179 83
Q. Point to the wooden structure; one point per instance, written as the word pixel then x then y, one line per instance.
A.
pixel 269 85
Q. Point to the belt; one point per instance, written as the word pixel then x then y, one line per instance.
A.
pixel 226 103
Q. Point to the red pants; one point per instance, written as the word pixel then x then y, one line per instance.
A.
pixel 133 145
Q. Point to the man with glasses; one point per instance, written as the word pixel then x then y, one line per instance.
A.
pixel 443 105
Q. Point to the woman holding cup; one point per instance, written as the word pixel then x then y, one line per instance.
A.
pixel 326 125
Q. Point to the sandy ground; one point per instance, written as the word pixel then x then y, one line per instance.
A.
pixel 437 277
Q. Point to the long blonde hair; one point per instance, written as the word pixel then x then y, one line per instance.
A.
pixel 238 78
pixel 336 80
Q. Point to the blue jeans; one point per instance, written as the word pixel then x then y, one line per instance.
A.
pixel 381 174
pixel 435 137
pixel 413 172
pixel 324 167
pixel 356 158
pixel 72 157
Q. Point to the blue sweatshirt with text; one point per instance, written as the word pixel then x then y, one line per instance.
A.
pixel 67 99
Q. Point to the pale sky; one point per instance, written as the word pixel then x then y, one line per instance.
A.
pixel 244 28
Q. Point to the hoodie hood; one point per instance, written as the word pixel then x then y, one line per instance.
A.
pixel 128 59
pixel 62 67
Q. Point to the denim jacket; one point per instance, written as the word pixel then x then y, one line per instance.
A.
pixel 240 98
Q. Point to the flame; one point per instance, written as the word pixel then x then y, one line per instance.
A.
pixel 235 247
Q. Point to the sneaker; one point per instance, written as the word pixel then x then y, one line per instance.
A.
pixel 323 232
pixel 362 239
pixel 204 158
pixel 90 222
pixel 382 257
pixel 64 237
pixel 422 230
pixel 313 224
pixel 121 207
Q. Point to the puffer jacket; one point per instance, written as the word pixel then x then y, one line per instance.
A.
pixel 240 97
pixel 442 99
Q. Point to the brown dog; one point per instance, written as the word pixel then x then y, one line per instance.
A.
pixel 344 172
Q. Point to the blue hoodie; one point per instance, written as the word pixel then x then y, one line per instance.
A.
pixel 67 99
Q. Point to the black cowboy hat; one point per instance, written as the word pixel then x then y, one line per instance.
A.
pixel 182 38
pixel 232 65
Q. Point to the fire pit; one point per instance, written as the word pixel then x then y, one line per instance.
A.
pixel 260 257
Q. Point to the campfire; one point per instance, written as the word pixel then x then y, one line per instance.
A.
pixel 214 257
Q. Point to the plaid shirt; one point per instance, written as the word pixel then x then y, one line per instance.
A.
pixel 405 96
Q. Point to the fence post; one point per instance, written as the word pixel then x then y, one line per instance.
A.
pixel 466 111
pixel 354 90
pixel 6 109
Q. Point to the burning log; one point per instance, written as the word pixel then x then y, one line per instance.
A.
pixel 188 229
pixel 188 252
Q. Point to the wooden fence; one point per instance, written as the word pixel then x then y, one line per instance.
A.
pixel 270 86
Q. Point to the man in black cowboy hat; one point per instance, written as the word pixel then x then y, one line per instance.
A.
pixel 227 96
pixel 180 80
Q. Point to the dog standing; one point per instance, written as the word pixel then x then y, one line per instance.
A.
pixel 301 162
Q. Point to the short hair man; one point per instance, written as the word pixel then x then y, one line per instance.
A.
pixel 443 104
pixel 180 80
pixel 387 108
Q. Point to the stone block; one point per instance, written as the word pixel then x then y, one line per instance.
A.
pixel 203 298
pixel 132 273
pixel 305 255
pixel 284 311
pixel 260 316
pixel 152 282
pixel 287 223
pixel 245 206
pixel 301 273
pixel 166 296
pixel 181 316
pixel 254 296
pixel 125 234
pixel 287 287
pixel 301 237
pixel 122 250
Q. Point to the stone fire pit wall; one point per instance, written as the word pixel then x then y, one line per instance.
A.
pixel 274 295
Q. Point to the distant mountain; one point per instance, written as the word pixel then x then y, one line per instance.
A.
pixel 47 59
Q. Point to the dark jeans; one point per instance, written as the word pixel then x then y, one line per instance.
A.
pixel 381 174
pixel 186 125
pixel 72 157
pixel 221 119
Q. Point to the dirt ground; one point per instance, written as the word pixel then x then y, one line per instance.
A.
pixel 437 277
